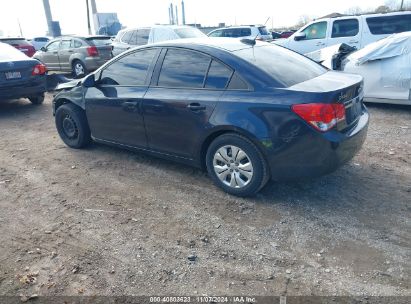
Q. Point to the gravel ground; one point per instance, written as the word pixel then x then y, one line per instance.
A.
pixel 104 221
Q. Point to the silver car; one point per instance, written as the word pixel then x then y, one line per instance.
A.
pixel 258 32
pixel 79 55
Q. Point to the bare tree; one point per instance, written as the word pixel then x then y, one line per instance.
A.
pixel 303 20
pixel 382 9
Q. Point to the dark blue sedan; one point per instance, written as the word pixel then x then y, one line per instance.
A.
pixel 21 76
pixel 247 112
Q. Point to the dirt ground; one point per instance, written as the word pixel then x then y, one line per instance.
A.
pixel 104 221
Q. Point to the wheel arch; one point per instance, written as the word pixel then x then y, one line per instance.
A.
pixel 226 130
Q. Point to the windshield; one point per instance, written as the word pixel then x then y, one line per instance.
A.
pixel 263 30
pixel 285 66
pixel 189 33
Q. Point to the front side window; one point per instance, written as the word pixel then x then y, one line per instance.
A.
pixel 183 69
pixel 54 46
pixel 142 36
pixel 345 28
pixel 316 31
pixel 130 70
pixel 126 37
pixel 389 24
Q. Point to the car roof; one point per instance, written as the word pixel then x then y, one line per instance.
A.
pixel 239 27
pixel 227 44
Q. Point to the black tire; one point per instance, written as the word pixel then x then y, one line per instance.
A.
pixel 76 73
pixel 260 172
pixel 72 126
pixel 37 100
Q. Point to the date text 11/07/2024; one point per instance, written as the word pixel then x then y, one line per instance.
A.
pixel 203 299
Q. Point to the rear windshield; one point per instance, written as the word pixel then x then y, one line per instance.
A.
pixel 14 41
pixel 100 41
pixel 9 53
pixel 189 33
pixel 41 39
pixel 263 30
pixel 285 66
pixel 389 24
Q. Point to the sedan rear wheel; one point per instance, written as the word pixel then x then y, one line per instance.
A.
pixel 236 165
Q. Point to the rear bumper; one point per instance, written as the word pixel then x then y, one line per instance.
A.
pixel 93 63
pixel 21 89
pixel 314 154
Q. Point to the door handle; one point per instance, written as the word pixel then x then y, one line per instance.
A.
pixel 353 41
pixel 319 43
pixel 195 107
pixel 130 106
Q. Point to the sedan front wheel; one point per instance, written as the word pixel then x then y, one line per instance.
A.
pixel 236 165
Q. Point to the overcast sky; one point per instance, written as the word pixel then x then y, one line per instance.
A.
pixel 72 13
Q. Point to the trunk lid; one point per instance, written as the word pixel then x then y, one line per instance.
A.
pixel 337 87
pixel 14 72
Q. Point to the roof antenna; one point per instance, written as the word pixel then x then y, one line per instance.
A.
pixel 253 41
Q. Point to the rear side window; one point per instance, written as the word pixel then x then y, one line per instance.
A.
pixel 131 70
pixel 183 69
pixel 237 32
pixel 389 24
pixel 142 36
pixel 76 44
pixel 345 28
pixel 65 44
pixel 286 67
pixel 316 31
pixel 218 76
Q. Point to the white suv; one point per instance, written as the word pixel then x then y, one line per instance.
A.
pixel 357 31
pixel 258 32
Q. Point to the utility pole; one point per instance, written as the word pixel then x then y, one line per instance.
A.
pixel 88 18
pixel 49 19
pixel 402 5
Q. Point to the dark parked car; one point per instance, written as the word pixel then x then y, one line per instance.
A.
pixel 245 112
pixel 21 44
pixel 76 54
pixel 21 76
pixel 286 34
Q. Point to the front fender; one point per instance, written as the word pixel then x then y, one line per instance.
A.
pixel 75 96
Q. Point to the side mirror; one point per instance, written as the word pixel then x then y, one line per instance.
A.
pixel 89 81
pixel 299 36
pixel 43 49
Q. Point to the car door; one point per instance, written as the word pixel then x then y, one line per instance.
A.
pixel 50 56
pixel 347 30
pixel 64 53
pixel 315 38
pixel 113 106
pixel 180 100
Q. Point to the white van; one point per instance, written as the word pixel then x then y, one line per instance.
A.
pixel 357 31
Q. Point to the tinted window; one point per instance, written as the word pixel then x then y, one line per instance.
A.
pixel 41 39
pixel 99 41
pixel 54 46
pixel 189 33
pixel 218 76
pixel 315 30
pixel 389 24
pixel 236 83
pixel 127 36
pixel 142 36
pixel 217 33
pixel 263 30
pixel 129 70
pixel 65 44
pixel 183 68
pixel 285 66
pixel 237 32
pixel 345 28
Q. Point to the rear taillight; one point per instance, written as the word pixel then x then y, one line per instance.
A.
pixel 39 69
pixel 92 51
pixel 322 116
